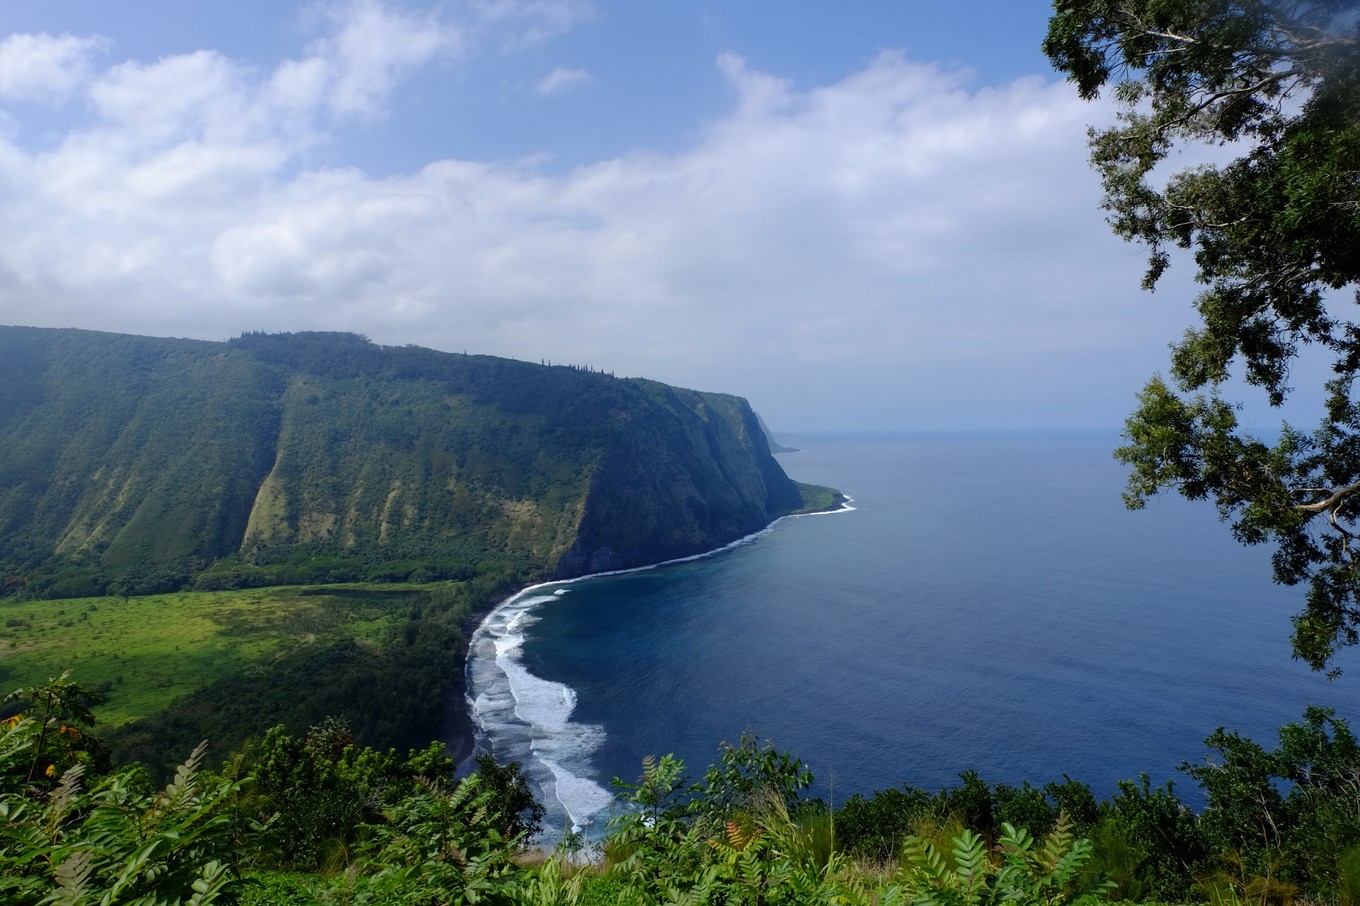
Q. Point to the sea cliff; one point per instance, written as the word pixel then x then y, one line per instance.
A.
pixel 134 465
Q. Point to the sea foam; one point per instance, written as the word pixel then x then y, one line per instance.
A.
pixel 525 718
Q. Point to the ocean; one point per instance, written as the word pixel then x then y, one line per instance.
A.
pixel 987 603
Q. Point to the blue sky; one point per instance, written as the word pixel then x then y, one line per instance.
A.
pixel 857 215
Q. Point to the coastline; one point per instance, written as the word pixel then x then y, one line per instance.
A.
pixel 460 726
pixel 458 733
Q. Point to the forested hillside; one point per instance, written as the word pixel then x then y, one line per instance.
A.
pixel 133 465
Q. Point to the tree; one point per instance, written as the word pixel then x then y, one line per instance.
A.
pixel 747 775
pixel 58 708
pixel 1275 237
pixel 1283 819
pixel 519 814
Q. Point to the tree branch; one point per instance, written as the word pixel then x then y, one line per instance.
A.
pixel 1335 498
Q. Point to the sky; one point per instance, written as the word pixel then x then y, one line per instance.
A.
pixel 859 216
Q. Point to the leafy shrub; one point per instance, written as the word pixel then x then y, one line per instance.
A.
pixel 114 840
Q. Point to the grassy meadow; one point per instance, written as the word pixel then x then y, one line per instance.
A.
pixel 145 652
pixel 226 665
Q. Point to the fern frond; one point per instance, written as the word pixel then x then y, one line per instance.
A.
pixel 1013 837
pixel 63 799
pixel 1071 862
pixel 970 857
pixel 735 838
pixel 185 773
pixel 73 876
pixel 924 858
pixel 1058 841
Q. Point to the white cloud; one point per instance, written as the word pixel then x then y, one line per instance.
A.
pixel 43 67
pixel 759 93
pixel 298 85
pixel 562 80
pixel 191 93
pixel 372 46
pixel 368 47
pixel 895 219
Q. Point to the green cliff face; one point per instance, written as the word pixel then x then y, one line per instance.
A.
pixel 692 472
pixel 132 464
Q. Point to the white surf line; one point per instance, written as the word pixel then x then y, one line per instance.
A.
pixel 527 718
pixel 740 542
pixel 552 737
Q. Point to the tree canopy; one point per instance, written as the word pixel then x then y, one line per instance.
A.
pixel 1274 234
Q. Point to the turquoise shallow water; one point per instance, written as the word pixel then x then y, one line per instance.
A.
pixel 988 604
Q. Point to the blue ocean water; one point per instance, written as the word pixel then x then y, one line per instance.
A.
pixel 987 604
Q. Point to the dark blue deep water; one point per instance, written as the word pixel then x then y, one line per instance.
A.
pixel 988 604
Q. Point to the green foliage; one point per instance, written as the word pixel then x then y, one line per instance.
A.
pixel 819 499
pixel 404 831
pixel 111 840
pixel 971 803
pixel 1275 237
pixel 1117 858
pixel 59 709
pixel 436 846
pixel 1152 825
pixel 557 882
pixel 519 814
pixel 606 890
pixel 1283 819
pixel 1026 873
pixel 751 774
pixel 745 836
pixel 875 827
pixel 272 888
pixel 385 661
pixel 986 809
pixel 1244 803
pixel 317 793
pixel 1348 876
pixel 650 843
pixel 1321 759
pixel 366 826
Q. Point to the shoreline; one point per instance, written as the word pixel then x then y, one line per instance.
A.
pixel 460 727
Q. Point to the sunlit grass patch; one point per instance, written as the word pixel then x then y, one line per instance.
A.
pixel 143 653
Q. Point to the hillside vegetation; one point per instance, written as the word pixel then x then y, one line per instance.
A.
pixel 134 465
pixel 179 668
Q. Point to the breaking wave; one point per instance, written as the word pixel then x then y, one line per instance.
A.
pixel 525 718
pixel 522 717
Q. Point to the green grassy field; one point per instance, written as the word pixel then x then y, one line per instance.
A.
pixel 144 653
